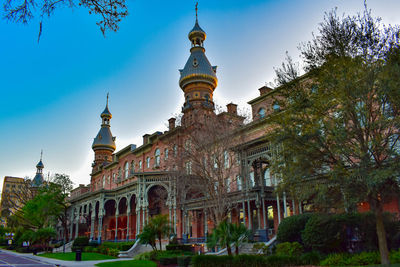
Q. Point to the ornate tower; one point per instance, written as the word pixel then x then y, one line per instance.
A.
pixel 104 143
pixel 38 179
pixel 198 79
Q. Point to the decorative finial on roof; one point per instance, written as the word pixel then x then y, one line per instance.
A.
pixel 41 154
pixel 197 3
pixel 107 99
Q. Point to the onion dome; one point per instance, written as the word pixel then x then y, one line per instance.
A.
pixel 197 67
pixel 104 139
pixel 38 179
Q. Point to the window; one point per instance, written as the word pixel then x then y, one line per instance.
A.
pixel 237 159
pixel 119 173
pixel 126 170
pixel 157 157
pixel 261 113
pixel 166 153
pixel 215 162
pixel 238 182
pixel 228 184
pixel 188 145
pixel 148 162
pixel 267 178
pixel 175 150
pixel 104 181
pixel 276 106
pixel 251 176
pixel 140 165
pixel 188 167
pixel 132 166
pixel 226 159
pixel 114 176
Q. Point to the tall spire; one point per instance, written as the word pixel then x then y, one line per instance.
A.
pixel 41 154
pixel 107 100
pixel 197 3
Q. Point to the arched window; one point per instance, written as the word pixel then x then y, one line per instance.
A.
pixel 188 145
pixel 276 106
pixel 261 113
pixel 175 150
pixel 267 178
pixel 104 181
pixel 226 159
pixel 119 174
pixel 132 166
pixel 166 153
pixel 114 176
pixel 251 179
pixel 126 170
pixel 157 157
pixel 148 162
pixel 140 165
pixel 207 97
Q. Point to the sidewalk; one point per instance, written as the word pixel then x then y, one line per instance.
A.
pixel 60 262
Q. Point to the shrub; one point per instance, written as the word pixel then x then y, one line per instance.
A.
pixel 394 256
pixel 290 228
pixel 179 247
pixel 123 246
pixel 339 259
pixel 212 260
pixel 364 258
pixel 289 249
pixel 113 252
pixel 311 258
pixel 81 241
pixel 24 250
pixel 249 260
pixel 168 260
pixel 281 260
pixel 150 255
pixel 183 261
pixel 324 233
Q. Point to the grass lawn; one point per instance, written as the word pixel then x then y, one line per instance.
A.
pixel 131 263
pixel 70 256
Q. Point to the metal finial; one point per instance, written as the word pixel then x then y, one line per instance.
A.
pixel 196 9
pixel 41 154
pixel 107 99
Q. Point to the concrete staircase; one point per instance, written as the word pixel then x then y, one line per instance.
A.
pixel 68 247
pixel 137 249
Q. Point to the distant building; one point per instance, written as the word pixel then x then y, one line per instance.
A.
pixel 12 186
pixel 17 191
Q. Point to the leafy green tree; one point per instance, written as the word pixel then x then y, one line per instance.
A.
pixel 339 124
pixel 157 228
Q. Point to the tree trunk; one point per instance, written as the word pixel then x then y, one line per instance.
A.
pixel 159 240
pixel 381 233
pixel 228 248
pixel 237 250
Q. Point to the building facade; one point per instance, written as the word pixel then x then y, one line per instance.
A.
pixel 133 184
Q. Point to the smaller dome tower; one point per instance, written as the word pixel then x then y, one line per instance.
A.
pixel 104 143
pixel 38 179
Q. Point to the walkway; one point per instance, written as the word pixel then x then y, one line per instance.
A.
pixel 11 259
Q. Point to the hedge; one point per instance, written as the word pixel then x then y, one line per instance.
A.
pixel 244 260
pixel 179 247
pixel 290 228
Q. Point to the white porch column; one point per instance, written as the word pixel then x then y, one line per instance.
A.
pixel 294 207
pixel 128 223
pixel 71 227
pixel 244 213
pixel 92 219
pixel 284 205
pixel 76 227
pixel 249 215
pixel 300 208
pixel 116 225
pixel 278 206
pixel 100 227
pixel 205 223
pixel 175 221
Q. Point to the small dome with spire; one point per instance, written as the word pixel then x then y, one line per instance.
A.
pixel 197 35
pixel 104 139
pixel 38 179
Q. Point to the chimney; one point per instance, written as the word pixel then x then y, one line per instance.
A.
pixel 264 90
pixel 232 108
pixel 145 139
pixel 171 123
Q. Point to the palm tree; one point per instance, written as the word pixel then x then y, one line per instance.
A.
pixel 240 234
pixel 161 227
pixel 222 235
pixel 148 236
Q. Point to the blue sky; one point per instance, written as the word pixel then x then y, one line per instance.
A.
pixel 52 93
